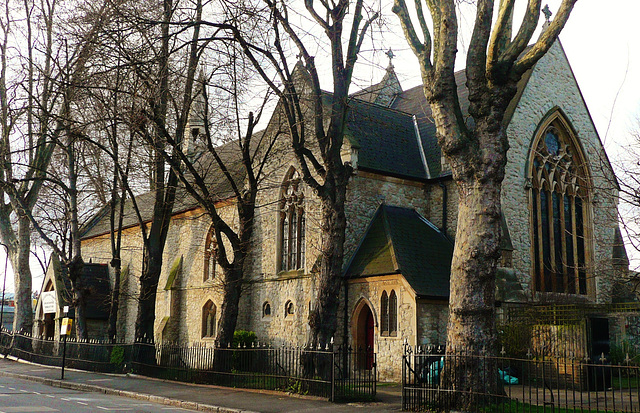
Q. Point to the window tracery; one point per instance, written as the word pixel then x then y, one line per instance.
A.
pixel 559 201
pixel 292 223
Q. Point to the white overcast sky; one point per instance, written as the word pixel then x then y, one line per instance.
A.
pixel 601 41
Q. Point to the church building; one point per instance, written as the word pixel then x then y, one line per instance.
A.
pixel 561 240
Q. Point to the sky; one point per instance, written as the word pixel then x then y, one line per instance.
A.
pixel 601 42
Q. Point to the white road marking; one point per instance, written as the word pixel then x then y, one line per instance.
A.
pixel 101 380
pixel 24 391
pixel 83 403
pixel 50 395
pixel 113 408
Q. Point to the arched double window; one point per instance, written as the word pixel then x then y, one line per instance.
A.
pixel 559 196
pixel 209 320
pixel 292 223
pixel 210 256
pixel 389 314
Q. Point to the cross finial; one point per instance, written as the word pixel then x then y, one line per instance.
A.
pixel 547 13
pixel 390 55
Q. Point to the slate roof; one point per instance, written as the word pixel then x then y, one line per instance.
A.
pixel 219 187
pixel 385 139
pixel 401 241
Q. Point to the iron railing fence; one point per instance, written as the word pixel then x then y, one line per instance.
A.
pixel 538 383
pixel 339 374
pixel 89 355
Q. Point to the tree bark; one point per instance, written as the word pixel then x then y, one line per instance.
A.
pixel 19 257
pixel 151 268
pixel 323 317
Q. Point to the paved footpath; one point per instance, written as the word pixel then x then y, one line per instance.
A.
pixel 190 396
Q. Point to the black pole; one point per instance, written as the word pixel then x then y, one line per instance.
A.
pixel 64 354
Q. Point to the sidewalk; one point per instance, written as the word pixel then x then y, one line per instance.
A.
pixel 194 397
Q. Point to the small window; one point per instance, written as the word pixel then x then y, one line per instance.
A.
pixel 209 320
pixel 393 314
pixel 289 309
pixel 384 314
pixel 389 314
pixel 266 309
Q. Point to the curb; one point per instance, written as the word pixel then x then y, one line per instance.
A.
pixel 125 393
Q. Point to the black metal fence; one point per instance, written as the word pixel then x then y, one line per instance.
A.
pixel 339 374
pixel 536 383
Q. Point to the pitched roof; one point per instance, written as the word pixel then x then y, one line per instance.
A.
pixel 218 185
pixel 414 102
pixel 385 139
pixel 401 241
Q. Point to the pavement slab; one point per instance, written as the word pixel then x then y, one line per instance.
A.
pixel 193 397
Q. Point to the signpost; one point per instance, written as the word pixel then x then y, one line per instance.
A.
pixel 65 330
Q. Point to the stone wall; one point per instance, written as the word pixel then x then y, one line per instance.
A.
pixel 388 349
pixel 552 85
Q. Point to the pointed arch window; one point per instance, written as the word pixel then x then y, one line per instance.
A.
pixel 389 314
pixel 209 320
pixel 210 255
pixel 384 314
pixel 559 201
pixel 393 313
pixel 292 223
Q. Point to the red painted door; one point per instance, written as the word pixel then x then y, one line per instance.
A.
pixel 369 340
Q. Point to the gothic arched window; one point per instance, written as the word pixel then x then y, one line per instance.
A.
pixel 209 320
pixel 393 313
pixel 292 223
pixel 384 314
pixel 266 309
pixel 210 256
pixel 389 314
pixel 559 209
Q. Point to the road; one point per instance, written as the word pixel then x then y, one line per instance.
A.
pixel 27 397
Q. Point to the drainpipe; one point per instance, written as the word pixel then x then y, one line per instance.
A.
pixel 444 207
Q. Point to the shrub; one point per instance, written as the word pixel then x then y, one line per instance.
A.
pixel 244 338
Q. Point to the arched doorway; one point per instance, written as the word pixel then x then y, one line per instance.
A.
pixel 364 336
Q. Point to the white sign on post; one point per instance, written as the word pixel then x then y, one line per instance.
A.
pixel 49 302
pixel 65 327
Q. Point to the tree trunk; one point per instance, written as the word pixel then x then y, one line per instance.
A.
pixel 152 267
pixel 75 268
pixel 472 313
pixel 19 257
pixel 323 318
pixel 115 299
pixel 232 290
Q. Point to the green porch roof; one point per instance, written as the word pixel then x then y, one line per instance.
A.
pixel 401 241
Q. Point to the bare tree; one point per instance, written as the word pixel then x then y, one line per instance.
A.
pixel 315 122
pixel 476 151
pixel 32 121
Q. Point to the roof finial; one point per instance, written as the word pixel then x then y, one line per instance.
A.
pixel 390 55
pixel 547 13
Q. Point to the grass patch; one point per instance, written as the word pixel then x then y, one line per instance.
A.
pixel 625 382
pixel 518 407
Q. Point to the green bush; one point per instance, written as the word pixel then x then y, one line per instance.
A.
pixel 244 338
pixel 515 338
pixel 619 351
pixel 117 356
